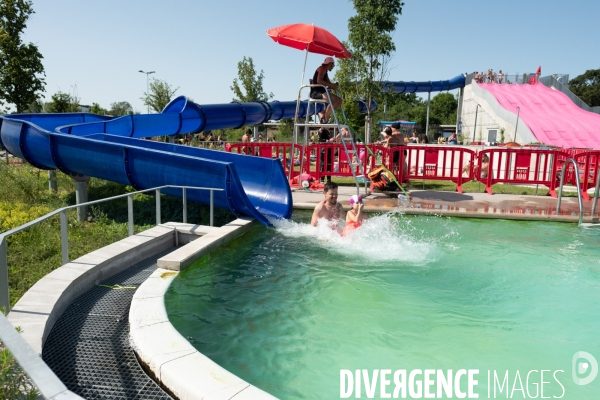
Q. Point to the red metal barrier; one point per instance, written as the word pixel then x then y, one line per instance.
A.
pixel 323 160
pixel 445 163
pixel 522 166
pixel 282 151
pixel 588 170
pixel 449 163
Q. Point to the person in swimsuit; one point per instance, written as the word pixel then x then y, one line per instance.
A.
pixel 356 216
pixel 414 138
pixel 318 92
pixel 328 208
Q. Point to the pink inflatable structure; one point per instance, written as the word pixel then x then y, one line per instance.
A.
pixel 549 114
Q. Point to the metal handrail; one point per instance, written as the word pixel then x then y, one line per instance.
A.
pixel 4 290
pixel 31 363
pixel 562 178
pixel 595 203
pixel 295 135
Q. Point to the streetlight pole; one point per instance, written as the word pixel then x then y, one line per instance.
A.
pixel 475 126
pixel 517 124
pixel 147 86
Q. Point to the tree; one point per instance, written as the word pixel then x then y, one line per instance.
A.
pixel 161 93
pixel 251 82
pixel 122 108
pixel 443 108
pixel 36 106
pixel 371 46
pixel 63 103
pixel 96 109
pixel 587 87
pixel 20 64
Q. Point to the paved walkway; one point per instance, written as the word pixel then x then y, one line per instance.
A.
pixel 472 205
pixel 88 347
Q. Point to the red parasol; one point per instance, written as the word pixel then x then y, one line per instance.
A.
pixel 310 38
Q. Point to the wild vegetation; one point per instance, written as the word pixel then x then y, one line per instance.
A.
pixel 36 252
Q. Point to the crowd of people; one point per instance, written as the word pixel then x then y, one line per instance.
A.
pixel 489 77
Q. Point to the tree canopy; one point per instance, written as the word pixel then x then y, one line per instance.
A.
pixel 121 108
pixel 443 107
pixel 97 109
pixel 371 45
pixel 62 103
pixel 21 68
pixel 410 107
pixel 250 81
pixel 161 93
pixel 587 87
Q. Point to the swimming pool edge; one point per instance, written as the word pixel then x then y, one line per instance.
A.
pixel 516 215
pixel 166 354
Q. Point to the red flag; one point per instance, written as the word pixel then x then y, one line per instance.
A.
pixel 539 70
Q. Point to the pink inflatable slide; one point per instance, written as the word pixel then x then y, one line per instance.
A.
pixel 550 115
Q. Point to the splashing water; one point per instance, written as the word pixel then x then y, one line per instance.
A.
pixel 383 238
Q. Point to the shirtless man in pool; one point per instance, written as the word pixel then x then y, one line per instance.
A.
pixel 328 208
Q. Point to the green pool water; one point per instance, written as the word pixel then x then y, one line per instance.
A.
pixel 287 308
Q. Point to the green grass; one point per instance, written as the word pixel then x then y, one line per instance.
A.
pixel 32 254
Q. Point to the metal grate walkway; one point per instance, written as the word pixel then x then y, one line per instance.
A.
pixel 88 348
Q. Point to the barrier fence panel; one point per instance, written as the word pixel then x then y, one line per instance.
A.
pixel 282 151
pixel 325 160
pixel 588 168
pixel 522 166
pixel 453 164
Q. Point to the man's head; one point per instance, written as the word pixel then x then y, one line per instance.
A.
pixel 396 126
pixel 249 132
pixel 329 63
pixel 331 192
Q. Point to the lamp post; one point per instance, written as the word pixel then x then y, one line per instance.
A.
pixel 517 124
pixel 147 86
pixel 475 126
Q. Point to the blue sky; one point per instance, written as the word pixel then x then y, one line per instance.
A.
pixel 99 47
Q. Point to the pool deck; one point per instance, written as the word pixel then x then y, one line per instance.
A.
pixel 468 205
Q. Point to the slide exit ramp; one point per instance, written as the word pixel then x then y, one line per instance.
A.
pixel 549 115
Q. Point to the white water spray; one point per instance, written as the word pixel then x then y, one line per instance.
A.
pixel 390 237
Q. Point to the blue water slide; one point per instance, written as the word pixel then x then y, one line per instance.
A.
pixel 112 149
pixel 183 116
pixel 424 87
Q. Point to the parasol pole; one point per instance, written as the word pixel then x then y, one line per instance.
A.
pixel 295 134
pixel 304 69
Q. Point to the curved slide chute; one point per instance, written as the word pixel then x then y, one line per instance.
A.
pixel 112 149
pixel 549 114
pixel 183 116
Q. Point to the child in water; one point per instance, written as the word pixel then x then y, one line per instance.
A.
pixel 355 216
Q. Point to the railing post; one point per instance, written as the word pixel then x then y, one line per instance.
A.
pixel 212 207
pixel 81 195
pixel 64 237
pixel 595 192
pixel 4 291
pixel 184 206
pixel 52 185
pixel 130 213
pixel 157 206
